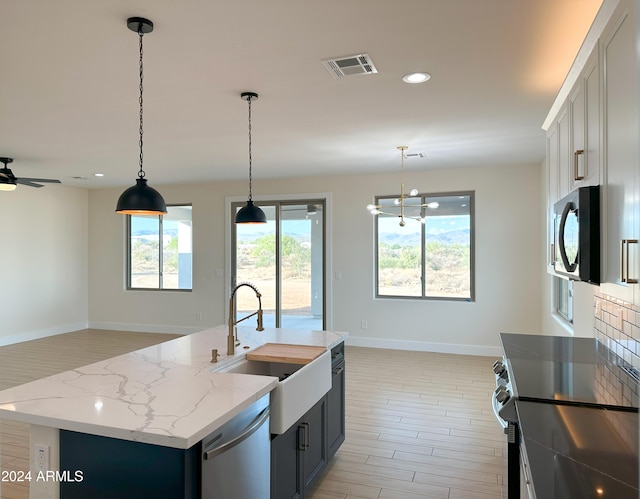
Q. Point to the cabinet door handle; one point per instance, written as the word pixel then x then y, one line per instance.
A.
pixel 338 371
pixel 576 175
pixel 625 257
pixel 306 435
pixel 623 243
pixel 302 437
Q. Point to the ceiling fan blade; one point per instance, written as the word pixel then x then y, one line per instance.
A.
pixel 41 180
pixel 29 182
pixel 35 182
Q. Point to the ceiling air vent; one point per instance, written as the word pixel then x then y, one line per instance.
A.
pixel 352 65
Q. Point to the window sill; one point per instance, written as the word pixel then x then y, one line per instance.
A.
pixel 563 323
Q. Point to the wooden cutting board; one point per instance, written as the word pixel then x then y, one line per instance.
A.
pixel 287 354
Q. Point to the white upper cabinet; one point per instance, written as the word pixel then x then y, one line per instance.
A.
pixel 593 137
pixel 553 172
pixel 622 155
pixel 584 117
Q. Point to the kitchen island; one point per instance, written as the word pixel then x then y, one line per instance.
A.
pixel 166 395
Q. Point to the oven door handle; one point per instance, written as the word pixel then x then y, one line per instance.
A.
pixel 494 404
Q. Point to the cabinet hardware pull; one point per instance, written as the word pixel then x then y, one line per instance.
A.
pixel 576 175
pixel 302 438
pixel 622 245
pixel 306 435
pixel 338 371
pixel 630 280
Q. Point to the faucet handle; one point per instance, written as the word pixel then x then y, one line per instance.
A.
pixel 260 326
pixel 214 355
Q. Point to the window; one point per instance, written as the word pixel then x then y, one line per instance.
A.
pixel 429 260
pixel 564 298
pixel 160 254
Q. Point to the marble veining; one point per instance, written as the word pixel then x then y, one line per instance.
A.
pixel 165 394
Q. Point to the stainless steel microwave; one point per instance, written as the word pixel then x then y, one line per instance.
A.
pixel 577 235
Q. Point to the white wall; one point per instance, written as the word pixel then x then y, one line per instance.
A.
pixel 44 261
pixel 508 281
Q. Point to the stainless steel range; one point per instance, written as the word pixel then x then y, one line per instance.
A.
pixel 551 377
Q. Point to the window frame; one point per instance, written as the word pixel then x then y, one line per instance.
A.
pixel 561 294
pixel 423 242
pixel 128 279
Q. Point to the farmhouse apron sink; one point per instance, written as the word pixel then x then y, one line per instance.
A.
pixel 300 386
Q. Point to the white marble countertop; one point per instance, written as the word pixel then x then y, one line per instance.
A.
pixel 165 394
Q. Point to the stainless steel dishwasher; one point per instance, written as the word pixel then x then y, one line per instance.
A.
pixel 236 459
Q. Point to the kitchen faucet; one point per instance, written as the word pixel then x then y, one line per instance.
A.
pixel 230 338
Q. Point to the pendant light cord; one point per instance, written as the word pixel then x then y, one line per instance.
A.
pixel 250 159
pixel 401 149
pixel 141 173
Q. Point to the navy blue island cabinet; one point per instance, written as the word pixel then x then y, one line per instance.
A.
pixel 113 468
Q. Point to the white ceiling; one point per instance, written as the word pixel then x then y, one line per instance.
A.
pixel 69 86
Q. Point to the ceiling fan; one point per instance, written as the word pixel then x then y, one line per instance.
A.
pixel 9 182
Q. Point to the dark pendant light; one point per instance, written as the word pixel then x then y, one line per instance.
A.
pixel 250 213
pixel 141 199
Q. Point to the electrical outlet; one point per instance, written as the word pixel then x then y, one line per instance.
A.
pixel 42 457
pixel 363 324
pixel 198 316
pixel 598 309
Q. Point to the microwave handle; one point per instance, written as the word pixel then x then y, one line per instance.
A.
pixel 569 267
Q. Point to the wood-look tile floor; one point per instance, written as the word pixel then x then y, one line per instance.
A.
pixel 418 424
pixel 31 360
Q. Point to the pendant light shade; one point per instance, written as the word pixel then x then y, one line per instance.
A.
pixel 250 213
pixel 141 199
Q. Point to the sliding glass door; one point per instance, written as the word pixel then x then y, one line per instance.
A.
pixel 284 258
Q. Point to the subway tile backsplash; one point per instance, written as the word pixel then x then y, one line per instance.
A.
pixel 617 325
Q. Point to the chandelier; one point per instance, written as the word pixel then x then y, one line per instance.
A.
pixel 400 203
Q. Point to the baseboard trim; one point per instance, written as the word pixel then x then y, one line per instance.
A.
pixel 41 333
pixel 424 346
pixel 145 328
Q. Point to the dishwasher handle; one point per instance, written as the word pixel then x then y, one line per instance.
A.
pixel 248 431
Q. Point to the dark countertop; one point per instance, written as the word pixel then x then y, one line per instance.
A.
pixel 579 451
pixel 577 409
pixel 556 348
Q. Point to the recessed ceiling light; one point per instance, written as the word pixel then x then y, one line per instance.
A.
pixel 416 77
pixel 98 174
